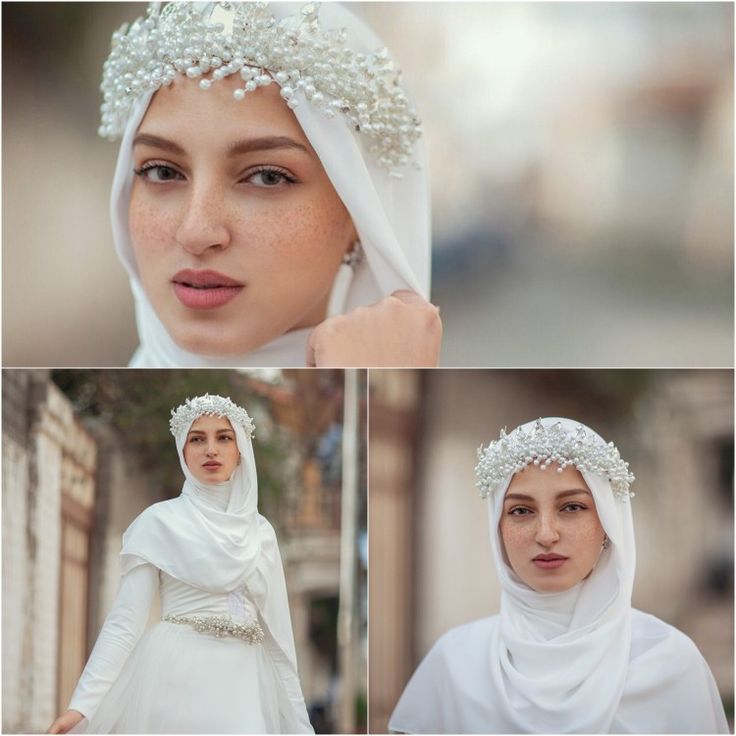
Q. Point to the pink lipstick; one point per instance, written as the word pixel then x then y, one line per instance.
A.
pixel 204 289
pixel 549 562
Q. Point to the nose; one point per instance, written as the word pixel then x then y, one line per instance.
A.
pixel 211 448
pixel 204 223
pixel 547 532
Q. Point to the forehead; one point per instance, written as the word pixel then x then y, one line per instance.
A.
pixel 210 423
pixel 534 481
pixel 184 111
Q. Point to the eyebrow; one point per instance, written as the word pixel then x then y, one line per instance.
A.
pixel 247 145
pixel 199 431
pixel 561 494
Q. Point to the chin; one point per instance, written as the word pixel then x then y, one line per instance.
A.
pixel 216 338
pixel 551 585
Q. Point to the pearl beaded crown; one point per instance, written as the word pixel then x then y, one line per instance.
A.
pixel 543 446
pixel 294 52
pixel 219 406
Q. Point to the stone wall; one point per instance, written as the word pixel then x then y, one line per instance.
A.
pixel 50 458
pixel 44 447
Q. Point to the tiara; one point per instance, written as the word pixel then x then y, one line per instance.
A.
pixel 219 406
pixel 543 446
pixel 294 52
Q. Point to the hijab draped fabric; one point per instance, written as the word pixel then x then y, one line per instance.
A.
pixel 391 216
pixel 578 661
pixel 221 551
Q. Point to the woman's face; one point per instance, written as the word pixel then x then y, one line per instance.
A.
pixel 236 228
pixel 550 528
pixel 211 450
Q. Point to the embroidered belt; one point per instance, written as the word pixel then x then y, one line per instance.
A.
pixel 221 626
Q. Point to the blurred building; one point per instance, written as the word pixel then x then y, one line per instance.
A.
pixel 70 489
pixel 430 553
pixel 49 485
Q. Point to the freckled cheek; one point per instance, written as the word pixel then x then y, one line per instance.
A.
pixel 586 538
pixel 152 228
pixel 311 234
pixel 517 540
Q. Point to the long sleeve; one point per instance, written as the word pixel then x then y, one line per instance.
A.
pixel 121 631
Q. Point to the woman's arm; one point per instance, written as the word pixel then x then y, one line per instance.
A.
pixel 121 631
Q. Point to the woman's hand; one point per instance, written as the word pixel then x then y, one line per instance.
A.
pixel 65 722
pixel 402 330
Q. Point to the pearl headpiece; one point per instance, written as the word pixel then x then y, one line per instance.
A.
pixel 227 38
pixel 219 406
pixel 543 446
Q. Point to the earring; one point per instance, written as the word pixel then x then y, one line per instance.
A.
pixel 606 542
pixel 344 278
pixel 354 256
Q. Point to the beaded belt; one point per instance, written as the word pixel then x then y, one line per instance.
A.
pixel 221 626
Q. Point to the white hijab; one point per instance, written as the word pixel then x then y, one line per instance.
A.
pixel 580 661
pixel 221 551
pixel 391 216
pixel 560 660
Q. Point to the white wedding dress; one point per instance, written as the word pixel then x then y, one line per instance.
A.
pixel 173 679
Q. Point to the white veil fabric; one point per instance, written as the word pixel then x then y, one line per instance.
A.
pixel 560 660
pixel 579 661
pixel 390 215
pixel 221 551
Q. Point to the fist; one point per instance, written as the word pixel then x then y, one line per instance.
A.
pixel 403 330
pixel 65 722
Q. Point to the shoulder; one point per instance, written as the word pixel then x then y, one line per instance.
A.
pixel 468 633
pixel 649 633
pixel 459 643
pixel 152 515
pixel 266 530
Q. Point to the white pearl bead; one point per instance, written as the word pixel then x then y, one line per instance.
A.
pixel 205 84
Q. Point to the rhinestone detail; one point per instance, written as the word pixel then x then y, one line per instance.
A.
pixel 293 52
pixel 221 626
pixel 542 446
pixel 211 405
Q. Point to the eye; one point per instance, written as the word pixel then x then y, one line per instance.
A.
pixel 226 437
pixel 194 439
pixel 158 173
pixel 519 511
pixel 269 177
pixel 574 507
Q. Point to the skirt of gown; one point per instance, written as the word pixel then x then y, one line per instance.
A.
pixel 178 680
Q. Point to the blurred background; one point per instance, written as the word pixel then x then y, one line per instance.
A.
pixel 84 452
pixel 430 557
pixel 581 159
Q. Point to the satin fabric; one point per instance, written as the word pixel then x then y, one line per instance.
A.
pixel 172 679
pixel 391 216
pixel 579 661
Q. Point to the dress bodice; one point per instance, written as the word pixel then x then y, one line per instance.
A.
pixel 182 599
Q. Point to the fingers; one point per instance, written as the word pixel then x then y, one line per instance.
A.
pixel 409 297
pixel 401 330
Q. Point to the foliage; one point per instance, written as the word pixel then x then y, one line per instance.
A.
pixel 138 404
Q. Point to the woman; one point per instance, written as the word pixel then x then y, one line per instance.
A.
pixel 270 201
pixel 567 653
pixel 222 658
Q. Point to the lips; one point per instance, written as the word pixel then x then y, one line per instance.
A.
pixel 205 289
pixel 211 465
pixel 549 561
